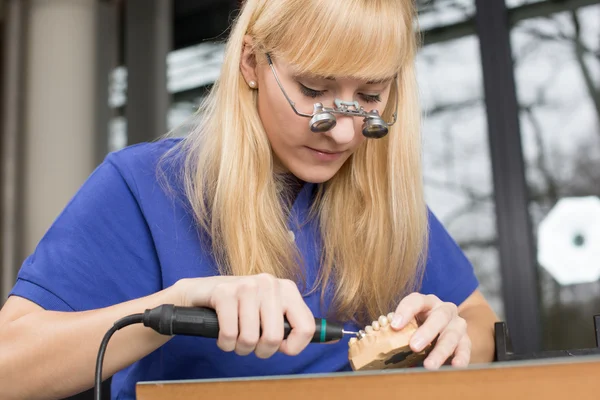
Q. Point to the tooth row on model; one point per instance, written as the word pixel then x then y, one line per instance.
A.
pixel 382 322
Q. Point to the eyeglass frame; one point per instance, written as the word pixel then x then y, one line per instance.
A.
pixel 341 106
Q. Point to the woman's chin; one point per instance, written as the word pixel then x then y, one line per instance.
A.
pixel 315 174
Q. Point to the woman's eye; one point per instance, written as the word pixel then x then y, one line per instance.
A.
pixel 371 98
pixel 310 92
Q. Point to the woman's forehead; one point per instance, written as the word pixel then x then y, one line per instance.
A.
pixel 368 44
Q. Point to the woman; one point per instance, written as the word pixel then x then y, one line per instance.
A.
pixel 257 215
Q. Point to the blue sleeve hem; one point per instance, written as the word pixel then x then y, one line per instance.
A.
pixel 39 295
pixel 462 291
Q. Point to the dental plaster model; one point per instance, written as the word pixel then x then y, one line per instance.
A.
pixel 380 347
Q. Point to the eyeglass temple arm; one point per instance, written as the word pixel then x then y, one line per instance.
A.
pixel 395 114
pixel 283 90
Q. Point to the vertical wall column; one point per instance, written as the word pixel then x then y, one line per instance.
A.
pixel 517 254
pixel 148 40
pixel 60 109
pixel 107 59
pixel 13 59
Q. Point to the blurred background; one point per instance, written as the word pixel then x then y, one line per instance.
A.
pixel 511 99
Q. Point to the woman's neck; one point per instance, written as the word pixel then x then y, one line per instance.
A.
pixel 292 186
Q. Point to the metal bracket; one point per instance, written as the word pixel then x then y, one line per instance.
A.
pixel 504 350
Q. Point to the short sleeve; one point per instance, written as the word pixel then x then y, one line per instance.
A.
pixel 448 274
pixel 98 252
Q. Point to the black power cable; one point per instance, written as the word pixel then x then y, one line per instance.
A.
pixel 122 323
pixel 168 319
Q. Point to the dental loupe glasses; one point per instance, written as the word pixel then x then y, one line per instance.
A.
pixel 323 118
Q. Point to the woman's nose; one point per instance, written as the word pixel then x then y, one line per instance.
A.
pixel 344 130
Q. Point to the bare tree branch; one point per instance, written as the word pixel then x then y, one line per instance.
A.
pixel 477 243
pixel 542 160
pixel 579 53
pixel 453 107
pixel 474 203
pixel 454 187
pixel 580 49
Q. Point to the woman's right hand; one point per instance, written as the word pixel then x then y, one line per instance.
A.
pixel 244 305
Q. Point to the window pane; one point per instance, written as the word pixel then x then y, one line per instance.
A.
pixel 458 173
pixel 517 3
pixel 558 80
pixel 437 13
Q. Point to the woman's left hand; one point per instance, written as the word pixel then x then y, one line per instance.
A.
pixel 435 317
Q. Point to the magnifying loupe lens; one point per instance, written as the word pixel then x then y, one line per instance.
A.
pixel 375 128
pixel 322 122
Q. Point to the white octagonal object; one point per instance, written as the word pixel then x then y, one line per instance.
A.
pixel 569 240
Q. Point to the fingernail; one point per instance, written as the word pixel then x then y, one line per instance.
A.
pixel 458 363
pixel 432 363
pixel 396 321
pixel 418 343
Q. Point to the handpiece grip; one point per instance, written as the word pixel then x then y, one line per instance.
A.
pixel 168 319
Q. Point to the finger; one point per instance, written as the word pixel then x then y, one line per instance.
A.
pixel 300 318
pixel 271 314
pixel 412 305
pixel 200 292
pixel 446 344
pixel 225 304
pixel 462 355
pixel 437 321
pixel 249 317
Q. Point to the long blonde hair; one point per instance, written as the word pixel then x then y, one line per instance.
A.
pixel 372 214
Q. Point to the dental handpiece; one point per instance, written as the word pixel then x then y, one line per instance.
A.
pixel 168 319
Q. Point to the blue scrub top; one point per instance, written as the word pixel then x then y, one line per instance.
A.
pixel 123 236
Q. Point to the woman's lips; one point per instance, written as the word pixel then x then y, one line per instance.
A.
pixel 324 155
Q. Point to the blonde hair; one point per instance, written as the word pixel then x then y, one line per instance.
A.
pixel 372 215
